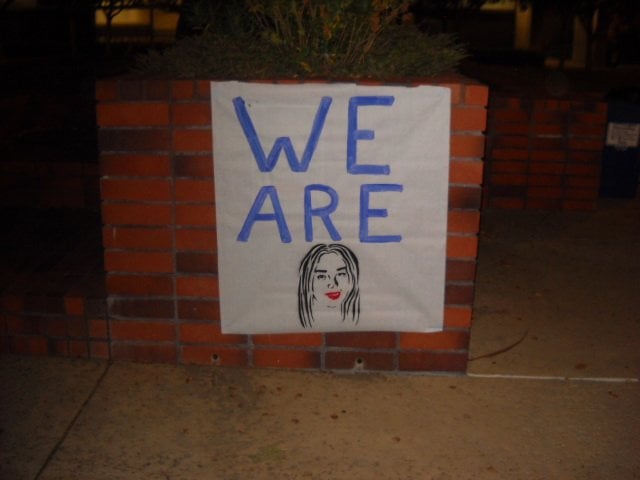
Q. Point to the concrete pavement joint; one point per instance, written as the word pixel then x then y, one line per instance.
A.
pixel 73 421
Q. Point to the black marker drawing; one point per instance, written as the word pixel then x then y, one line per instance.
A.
pixel 328 285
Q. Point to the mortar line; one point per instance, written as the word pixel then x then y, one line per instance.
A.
pixel 552 377
pixel 65 434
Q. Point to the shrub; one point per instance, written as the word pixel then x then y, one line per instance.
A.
pixel 344 39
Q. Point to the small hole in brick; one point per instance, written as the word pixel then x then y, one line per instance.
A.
pixel 359 362
pixel 215 358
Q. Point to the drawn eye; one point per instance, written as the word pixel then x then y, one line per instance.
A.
pixel 321 276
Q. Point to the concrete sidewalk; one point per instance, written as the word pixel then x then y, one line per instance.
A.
pixel 82 419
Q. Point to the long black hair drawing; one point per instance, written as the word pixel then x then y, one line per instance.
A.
pixel 328 285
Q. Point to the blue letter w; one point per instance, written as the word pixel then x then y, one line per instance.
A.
pixel 268 163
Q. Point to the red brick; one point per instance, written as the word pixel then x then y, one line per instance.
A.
pixel 445 340
pixel 139 284
pixel 194 191
pixel 201 286
pixel 106 90
pixel 360 360
pixel 508 179
pixel 548 155
pixel 461 270
pixel 192 140
pixel 290 339
pixel 99 350
pixel 433 362
pixel 581 194
pixel 466 171
pixel 502 128
pixel 142 262
pixel 587 130
pixel 156 89
pixel 502 166
pixel 545 180
pixel 547 168
pixel 548 204
pixel 462 246
pixel 132 89
pixel 547 143
pixel 208 333
pixel 544 192
pixel 132 238
pixel 199 310
pixel 457 316
pixel 220 356
pixel 125 189
pixel 586 144
pixel 579 205
pixel 509 154
pixel 98 328
pixel 585 156
pixel 132 114
pixel 361 340
pixel 476 95
pixel 78 348
pixel 468 119
pixel 456 92
pixel 191 114
pixel 12 303
pixel 183 89
pixel 74 305
pixel 154 331
pixel 540 116
pixel 463 221
pixel 511 141
pixel 196 215
pixel 141 307
pixel 56 327
pixel 136 214
pixel 582 169
pixel 467 145
pixel 548 129
pixel 141 352
pixel 464 197
pixel 510 116
pixel 135 165
pixel 194 166
pixel 192 239
pixel 28 345
pixel 203 89
pixel 507 203
pixel 583 182
pixel 459 294
pixel 140 140
pixel 286 358
pixel 190 262
pixel 589 118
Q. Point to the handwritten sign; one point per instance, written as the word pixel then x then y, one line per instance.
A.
pixel 331 206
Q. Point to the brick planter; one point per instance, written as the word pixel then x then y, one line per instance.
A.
pixel 160 240
pixel 544 154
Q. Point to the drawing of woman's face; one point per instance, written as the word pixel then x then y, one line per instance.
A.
pixel 331 281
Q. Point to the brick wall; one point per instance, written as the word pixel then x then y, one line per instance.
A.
pixel 47 153
pixel 160 240
pixel 543 154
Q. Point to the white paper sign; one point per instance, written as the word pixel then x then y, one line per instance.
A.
pixel 623 135
pixel 331 206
